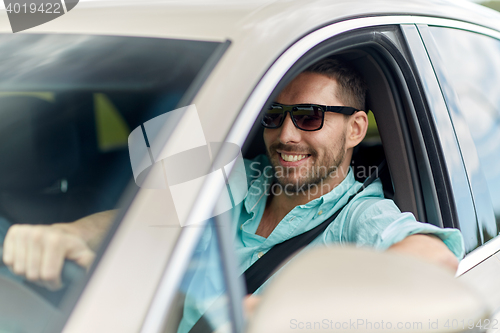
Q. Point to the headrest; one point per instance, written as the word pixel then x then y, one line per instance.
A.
pixel 38 143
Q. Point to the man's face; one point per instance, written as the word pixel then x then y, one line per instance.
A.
pixel 300 158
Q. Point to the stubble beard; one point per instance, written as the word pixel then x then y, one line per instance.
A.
pixel 312 176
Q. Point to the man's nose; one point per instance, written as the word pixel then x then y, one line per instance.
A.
pixel 289 133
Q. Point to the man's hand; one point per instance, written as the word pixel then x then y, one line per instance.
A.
pixel 38 251
pixel 427 247
pixel 250 302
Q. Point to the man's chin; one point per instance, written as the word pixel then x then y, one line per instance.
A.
pixel 294 186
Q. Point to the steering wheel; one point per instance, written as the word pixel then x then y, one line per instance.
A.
pixel 27 307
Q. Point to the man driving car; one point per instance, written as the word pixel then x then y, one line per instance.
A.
pixel 310 132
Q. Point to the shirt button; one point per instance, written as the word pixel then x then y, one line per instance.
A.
pixel 260 254
pixel 320 212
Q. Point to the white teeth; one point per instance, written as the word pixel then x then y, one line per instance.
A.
pixel 292 158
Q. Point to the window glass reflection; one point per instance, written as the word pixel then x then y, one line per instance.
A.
pixel 472 65
pixel 202 303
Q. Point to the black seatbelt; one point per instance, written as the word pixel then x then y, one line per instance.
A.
pixel 262 269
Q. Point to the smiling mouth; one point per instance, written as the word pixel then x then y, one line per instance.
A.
pixel 293 157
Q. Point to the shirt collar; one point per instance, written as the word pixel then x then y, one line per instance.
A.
pixel 259 190
pixel 336 194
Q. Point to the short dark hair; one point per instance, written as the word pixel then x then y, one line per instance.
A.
pixel 353 87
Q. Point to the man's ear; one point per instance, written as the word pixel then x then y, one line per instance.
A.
pixel 356 129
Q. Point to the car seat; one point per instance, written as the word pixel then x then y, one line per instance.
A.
pixel 39 157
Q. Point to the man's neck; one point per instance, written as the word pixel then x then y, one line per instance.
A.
pixel 280 204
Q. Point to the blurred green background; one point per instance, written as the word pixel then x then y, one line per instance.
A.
pixel 495 4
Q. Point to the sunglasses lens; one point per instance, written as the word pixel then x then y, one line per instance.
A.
pixel 273 117
pixel 308 118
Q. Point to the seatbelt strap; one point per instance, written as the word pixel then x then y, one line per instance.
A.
pixel 261 270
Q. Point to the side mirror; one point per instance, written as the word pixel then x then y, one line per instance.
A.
pixel 347 289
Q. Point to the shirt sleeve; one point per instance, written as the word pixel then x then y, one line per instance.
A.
pixel 379 223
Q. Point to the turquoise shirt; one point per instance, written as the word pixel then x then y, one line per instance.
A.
pixel 368 220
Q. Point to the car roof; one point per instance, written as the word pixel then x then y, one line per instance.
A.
pixel 235 20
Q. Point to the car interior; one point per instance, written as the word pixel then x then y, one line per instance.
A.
pixel 68 155
pixel 384 140
pixel 65 124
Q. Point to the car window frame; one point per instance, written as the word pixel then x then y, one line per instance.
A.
pixel 257 99
pixel 459 192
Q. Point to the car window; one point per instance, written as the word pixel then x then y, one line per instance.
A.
pixel 67 106
pixel 472 69
pixel 111 128
pixel 202 302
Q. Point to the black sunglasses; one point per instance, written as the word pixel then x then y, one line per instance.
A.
pixel 307 117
